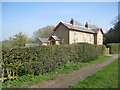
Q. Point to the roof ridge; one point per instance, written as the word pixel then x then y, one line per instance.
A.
pixel 42 38
pixel 96 28
pixel 75 25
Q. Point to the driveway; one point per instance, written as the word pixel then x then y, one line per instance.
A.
pixel 66 80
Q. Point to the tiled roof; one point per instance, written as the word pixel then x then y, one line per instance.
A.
pixel 55 37
pixel 77 27
pixel 95 30
pixel 44 39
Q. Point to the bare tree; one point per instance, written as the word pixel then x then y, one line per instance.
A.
pixel 44 32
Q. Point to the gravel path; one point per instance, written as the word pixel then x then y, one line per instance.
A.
pixel 66 80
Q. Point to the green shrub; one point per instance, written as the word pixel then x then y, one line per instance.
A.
pixel 88 52
pixel 114 48
pixel 43 59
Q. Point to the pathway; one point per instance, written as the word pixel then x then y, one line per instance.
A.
pixel 66 80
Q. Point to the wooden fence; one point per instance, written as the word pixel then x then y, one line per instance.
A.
pixel 7 74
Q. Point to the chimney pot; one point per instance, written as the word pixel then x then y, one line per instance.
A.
pixel 87 25
pixel 72 21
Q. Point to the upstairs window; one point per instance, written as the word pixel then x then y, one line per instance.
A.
pixel 75 33
pixel 91 36
pixel 84 35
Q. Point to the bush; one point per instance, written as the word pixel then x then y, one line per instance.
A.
pixel 88 52
pixel 43 59
pixel 114 48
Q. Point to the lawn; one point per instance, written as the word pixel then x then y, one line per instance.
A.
pixel 105 78
pixel 6 45
pixel 24 81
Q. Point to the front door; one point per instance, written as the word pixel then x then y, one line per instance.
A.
pixel 53 42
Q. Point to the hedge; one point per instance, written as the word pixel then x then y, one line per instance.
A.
pixel 88 52
pixel 114 48
pixel 42 59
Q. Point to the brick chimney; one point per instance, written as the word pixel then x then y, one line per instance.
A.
pixel 87 25
pixel 72 21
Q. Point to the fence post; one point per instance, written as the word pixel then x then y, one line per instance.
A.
pixel 107 51
pixel 2 75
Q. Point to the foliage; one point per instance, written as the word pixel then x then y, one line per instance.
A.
pixel 106 78
pixel 44 32
pixel 114 48
pixel 69 67
pixel 26 80
pixel 85 54
pixel 43 59
pixel 20 39
pixel 7 45
pixel 113 35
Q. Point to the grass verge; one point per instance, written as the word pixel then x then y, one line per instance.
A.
pixel 105 78
pixel 26 80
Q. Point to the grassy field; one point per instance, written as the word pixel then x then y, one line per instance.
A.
pixel 106 78
pixel 6 45
pixel 24 81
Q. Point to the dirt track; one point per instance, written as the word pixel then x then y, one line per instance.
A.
pixel 65 80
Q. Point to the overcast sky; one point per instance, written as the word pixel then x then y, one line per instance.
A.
pixel 27 17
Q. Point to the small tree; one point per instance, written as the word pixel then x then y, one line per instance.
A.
pixel 113 35
pixel 20 39
pixel 44 32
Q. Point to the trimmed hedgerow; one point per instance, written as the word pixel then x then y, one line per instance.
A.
pixel 114 48
pixel 43 59
pixel 88 52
